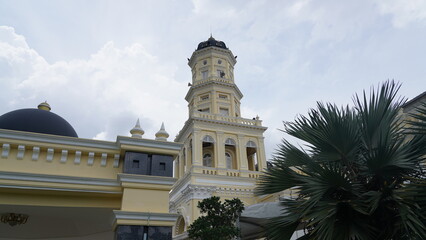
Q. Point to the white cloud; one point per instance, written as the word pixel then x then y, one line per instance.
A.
pixel 101 96
pixel 403 12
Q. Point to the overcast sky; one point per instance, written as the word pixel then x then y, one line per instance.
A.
pixel 103 64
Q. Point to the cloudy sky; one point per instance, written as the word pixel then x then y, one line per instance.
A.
pixel 103 64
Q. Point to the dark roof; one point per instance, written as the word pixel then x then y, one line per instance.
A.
pixel 415 99
pixel 211 42
pixel 38 121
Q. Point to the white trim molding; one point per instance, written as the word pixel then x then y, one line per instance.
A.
pixel 144 216
pixel 145 179
pixel 190 192
pixel 32 177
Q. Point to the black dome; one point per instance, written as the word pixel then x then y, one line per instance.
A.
pixel 211 42
pixel 38 121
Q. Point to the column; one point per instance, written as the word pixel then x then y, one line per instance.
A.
pixel 220 151
pixel 242 152
pixel 232 110
pixel 261 156
pixel 214 102
pixel 197 151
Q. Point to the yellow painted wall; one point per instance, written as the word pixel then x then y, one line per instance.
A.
pixel 144 200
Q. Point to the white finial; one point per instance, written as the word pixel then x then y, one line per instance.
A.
pixel 137 131
pixel 162 135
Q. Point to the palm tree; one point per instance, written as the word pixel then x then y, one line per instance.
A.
pixel 359 175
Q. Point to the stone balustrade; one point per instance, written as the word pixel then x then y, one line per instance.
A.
pixel 218 117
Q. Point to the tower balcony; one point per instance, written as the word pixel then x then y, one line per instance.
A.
pixel 223 118
pixel 213 79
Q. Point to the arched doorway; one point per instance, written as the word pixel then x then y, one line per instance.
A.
pixel 251 150
pixel 208 151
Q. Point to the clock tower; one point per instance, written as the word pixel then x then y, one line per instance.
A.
pixel 223 152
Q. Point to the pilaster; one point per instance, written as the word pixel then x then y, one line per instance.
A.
pixel 220 150
pixel 261 154
pixel 197 151
pixel 241 148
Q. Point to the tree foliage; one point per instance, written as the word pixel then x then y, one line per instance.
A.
pixel 218 221
pixel 360 174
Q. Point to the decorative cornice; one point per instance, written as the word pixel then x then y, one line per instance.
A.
pixel 141 142
pixel 32 177
pixel 191 192
pixel 89 143
pixel 211 49
pixel 54 139
pixel 180 184
pixel 222 122
pixel 145 179
pixel 192 119
pixel 211 81
pixel 79 190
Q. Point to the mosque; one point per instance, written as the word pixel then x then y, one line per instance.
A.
pixel 55 185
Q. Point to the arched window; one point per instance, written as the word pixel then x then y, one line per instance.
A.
pixel 180 225
pixel 230 142
pixel 207 160
pixel 251 144
pixel 251 150
pixel 228 157
pixel 208 139
pixel 208 150
pixel 230 153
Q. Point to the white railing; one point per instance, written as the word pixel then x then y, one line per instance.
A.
pixel 244 121
pixel 215 79
pixel 225 172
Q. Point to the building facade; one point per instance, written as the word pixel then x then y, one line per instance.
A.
pixel 55 185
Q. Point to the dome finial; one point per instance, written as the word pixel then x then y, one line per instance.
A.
pixel 44 106
pixel 137 131
pixel 162 135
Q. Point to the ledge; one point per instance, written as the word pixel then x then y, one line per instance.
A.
pixel 30 180
pixel 145 179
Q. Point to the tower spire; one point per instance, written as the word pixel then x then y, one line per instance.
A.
pixel 162 135
pixel 137 131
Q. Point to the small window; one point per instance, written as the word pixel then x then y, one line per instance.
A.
pixel 205 62
pixel 205 110
pixel 224 111
pixel 219 61
pixel 204 97
pixel 223 96
pixel 163 166
pixel 205 74
pixel 220 73
pixel 135 164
